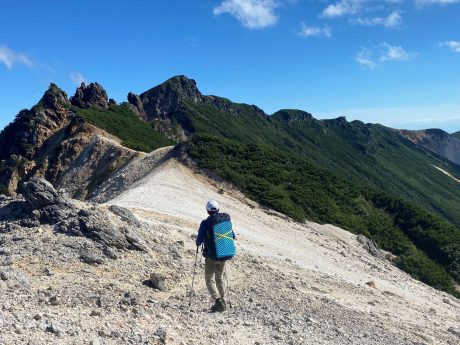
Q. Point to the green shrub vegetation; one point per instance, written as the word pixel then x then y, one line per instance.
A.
pixel 428 247
pixel 120 121
pixel 368 154
pixel 4 190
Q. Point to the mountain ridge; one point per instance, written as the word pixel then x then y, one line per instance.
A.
pixel 79 154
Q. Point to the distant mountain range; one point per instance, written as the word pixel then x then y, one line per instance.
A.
pixel 364 177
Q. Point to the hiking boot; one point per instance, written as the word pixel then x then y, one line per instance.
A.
pixel 219 306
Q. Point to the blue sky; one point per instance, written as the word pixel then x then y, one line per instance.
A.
pixel 395 62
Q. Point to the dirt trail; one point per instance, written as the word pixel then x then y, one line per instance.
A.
pixel 327 256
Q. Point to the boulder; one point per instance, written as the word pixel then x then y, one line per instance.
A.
pixel 157 281
pixel 371 246
pixel 371 284
pixel 13 280
pixel 40 193
pixel 91 258
pixel 96 225
pixel 125 215
pixel 454 330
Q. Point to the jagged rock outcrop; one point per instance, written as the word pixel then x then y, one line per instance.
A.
pixel 50 140
pixel 136 103
pixel 21 139
pixel 90 95
pixel 437 141
pixel 44 205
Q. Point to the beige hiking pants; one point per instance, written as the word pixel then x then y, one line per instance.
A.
pixel 215 269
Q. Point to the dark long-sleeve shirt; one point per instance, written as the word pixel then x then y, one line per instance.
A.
pixel 203 230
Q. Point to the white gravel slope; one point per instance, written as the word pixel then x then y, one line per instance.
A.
pixel 330 258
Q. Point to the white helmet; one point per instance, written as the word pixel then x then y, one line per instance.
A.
pixel 212 206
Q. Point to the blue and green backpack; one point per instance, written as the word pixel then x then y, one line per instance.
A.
pixel 220 242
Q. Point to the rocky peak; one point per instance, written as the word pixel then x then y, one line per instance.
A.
pixel 290 116
pixel 54 98
pixel 166 98
pixel 90 95
pixel 32 127
pixel 184 87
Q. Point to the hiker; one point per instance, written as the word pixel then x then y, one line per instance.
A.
pixel 217 235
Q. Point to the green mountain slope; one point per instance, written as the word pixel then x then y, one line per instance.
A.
pixel 456 134
pixel 426 244
pixel 120 121
pixel 368 154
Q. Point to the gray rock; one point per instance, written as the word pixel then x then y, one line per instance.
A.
pixel 7 261
pixel 91 258
pixel 371 246
pixel 95 313
pixel 56 328
pixel 14 280
pixel 102 302
pixel 158 281
pixel 55 300
pixel 53 214
pixel 454 330
pixel 17 328
pixel 130 299
pixel 30 222
pixel 96 225
pixel 446 300
pixel 160 333
pixel 48 272
pixel 3 275
pixel 135 241
pixel 115 334
pixel 40 193
pixel 125 215
pixel 110 253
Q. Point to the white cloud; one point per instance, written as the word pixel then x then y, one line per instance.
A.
pixel 364 58
pixel 77 78
pixel 452 45
pixel 441 2
pixel 10 58
pixel 394 53
pixel 373 57
pixel 341 8
pixel 253 14
pixel 394 19
pixel 312 31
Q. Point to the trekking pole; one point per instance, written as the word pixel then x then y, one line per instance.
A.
pixel 228 287
pixel 193 278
